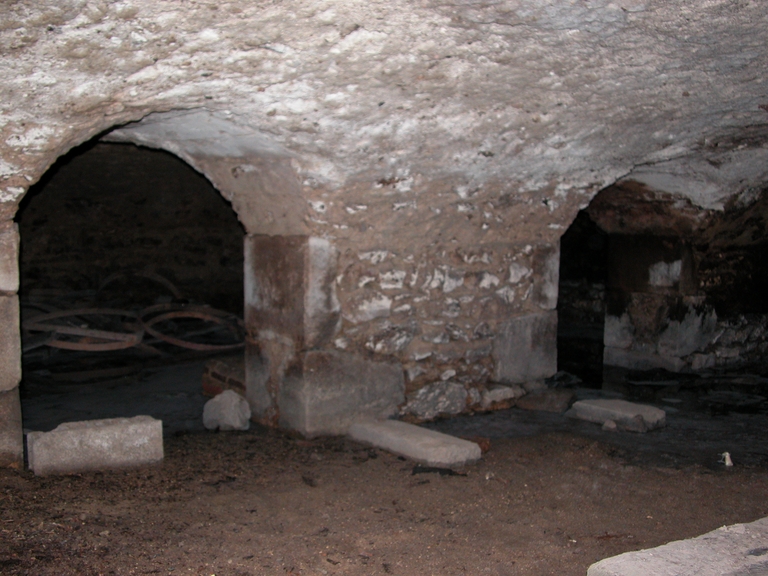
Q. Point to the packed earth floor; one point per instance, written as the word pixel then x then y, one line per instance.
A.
pixel 550 496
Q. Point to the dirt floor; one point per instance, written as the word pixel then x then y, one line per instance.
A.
pixel 551 496
pixel 263 502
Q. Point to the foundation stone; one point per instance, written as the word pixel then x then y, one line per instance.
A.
pixel 526 348
pixel 337 388
pixel 11 437
pixel 10 343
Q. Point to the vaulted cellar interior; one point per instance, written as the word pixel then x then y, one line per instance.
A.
pixel 461 216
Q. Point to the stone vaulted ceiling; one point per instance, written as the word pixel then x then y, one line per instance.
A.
pixel 547 101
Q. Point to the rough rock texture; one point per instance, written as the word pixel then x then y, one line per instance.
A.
pixel 737 550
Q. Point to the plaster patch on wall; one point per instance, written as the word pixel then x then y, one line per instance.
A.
pixel 506 294
pixel 34 138
pixel 7 169
pixel 377 307
pixel 518 272
pixel 488 280
pixel 375 256
pixel 665 274
pixel 392 280
pixel 11 194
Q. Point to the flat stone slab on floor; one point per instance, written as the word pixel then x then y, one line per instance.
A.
pixel 420 444
pixel 96 445
pixel 738 550
pixel 627 415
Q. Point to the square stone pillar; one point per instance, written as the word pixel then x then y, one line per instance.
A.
pixel 11 438
pixel 293 376
pixel 525 349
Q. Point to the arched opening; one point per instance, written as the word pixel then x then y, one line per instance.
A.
pixel 118 227
pixel 664 302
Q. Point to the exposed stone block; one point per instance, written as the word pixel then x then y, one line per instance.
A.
pixel 737 550
pixel 9 257
pixel 628 415
pixel 420 444
pixel 437 399
pixel 10 343
pixel 526 348
pixel 96 445
pixel 11 437
pixel 335 389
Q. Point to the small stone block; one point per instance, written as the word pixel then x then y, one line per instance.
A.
pixel 626 415
pixel 419 444
pixel 737 550
pixel 96 445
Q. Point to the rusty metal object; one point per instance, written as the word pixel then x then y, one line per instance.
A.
pixel 155 277
pixel 91 340
pixel 153 315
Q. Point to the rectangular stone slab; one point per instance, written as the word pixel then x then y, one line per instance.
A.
pixel 420 444
pixel 620 411
pixel 738 550
pixel 96 445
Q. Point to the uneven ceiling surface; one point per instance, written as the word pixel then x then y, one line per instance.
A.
pixel 556 97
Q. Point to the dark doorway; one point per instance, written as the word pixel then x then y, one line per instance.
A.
pixel 120 228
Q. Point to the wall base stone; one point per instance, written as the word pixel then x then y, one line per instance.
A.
pixel 335 389
pixel 11 437
pixel 526 349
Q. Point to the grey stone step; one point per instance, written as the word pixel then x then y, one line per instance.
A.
pixel 628 415
pixel 420 444
pixel 96 445
pixel 738 550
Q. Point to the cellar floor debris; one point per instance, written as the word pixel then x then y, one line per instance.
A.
pixel 551 496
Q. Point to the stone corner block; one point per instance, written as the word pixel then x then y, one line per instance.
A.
pixel 737 550
pixel 419 444
pixel 9 257
pixel 96 445
pixel 11 435
pixel 627 415
pixel 10 343
pixel 526 348
pixel 335 389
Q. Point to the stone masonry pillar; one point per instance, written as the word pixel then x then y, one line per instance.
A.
pixel 11 437
pixel 294 378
